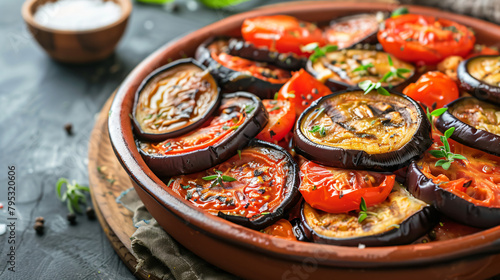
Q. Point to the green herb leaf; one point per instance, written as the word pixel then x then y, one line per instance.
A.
pixel 315 128
pixel 362 205
pixel 449 132
pixel 210 178
pixel 437 153
pixel 186 187
pixel 437 112
pixel 458 156
pixel 226 178
pixel 383 91
pixel 362 216
pixel 249 109
pixel 399 11
pixel 363 67
pixel 364 85
pixel 390 60
pixel 276 96
pixel 275 108
pixel 239 153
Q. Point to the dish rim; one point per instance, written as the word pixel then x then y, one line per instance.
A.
pixel 122 139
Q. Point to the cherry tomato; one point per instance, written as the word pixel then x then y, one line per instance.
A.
pixel 335 190
pixel 434 89
pixel 282 229
pixel 281 120
pixel 281 33
pixel 302 89
pixel 425 39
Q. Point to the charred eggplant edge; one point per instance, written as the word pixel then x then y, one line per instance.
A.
pixel 358 159
pixel 466 134
pixel 448 203
pixel 475 87
pixel 289 201
pixel 230 80
pixel 158 137
pixel 202 159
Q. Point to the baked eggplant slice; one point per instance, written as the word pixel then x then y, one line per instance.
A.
pixel 234 73
pixel 462 196
pixel 254 188
pixel 400 219
pixel 351 130
pixel 476 123
pixel 240 118
pixel 174 100
pixel 348 31
pixel 480 76
pixel 287 61
pixel 347 68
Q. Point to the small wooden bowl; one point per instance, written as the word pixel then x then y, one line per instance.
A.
pixel 77 46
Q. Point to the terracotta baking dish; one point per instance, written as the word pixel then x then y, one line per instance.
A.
pixel 251 254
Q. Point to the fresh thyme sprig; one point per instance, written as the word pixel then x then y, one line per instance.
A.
pixel 317 50
pixel 218 178
pixel 368 85
pixel 363 68
pixel 435 113
pixel 74 194
pixel 363 212
pixel 444 151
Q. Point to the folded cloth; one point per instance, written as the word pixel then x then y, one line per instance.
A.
pixel 158 253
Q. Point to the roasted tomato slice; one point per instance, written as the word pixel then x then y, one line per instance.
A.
pixel 282 228
pixel 239 119
pixel 433 89
pixel 281 120
pixel 302 89
pixel 476 179
pixel 259 70
pixel 425 39
pixel 281 33
pixel 255 188
pixel 483 50
pixel 336 190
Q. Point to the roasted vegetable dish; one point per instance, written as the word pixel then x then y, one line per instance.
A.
pixel 360 131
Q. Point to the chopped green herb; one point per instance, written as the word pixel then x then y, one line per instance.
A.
pixel 170 182
pixel 249 109
pixel 399 11
pixel 186 187
pixel 444 151
pixel 363 68
pixel 317 50
pixel 275 108
pixel 276 96
pixel 239 153
pixel 363 211
pixel 314 187
pixel 435 113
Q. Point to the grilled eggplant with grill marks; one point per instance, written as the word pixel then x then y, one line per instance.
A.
pixel 356 131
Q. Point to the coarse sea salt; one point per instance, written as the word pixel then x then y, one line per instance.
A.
pixel 77 15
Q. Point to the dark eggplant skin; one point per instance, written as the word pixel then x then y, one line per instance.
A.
pixel 289 61
pixel 475 87
pixel 291 198
pixel 466 134
pixel 230 80
pixel 448 203
pixel 409 230
pixel 298 231
pixel 162 136
pixel 368 39
pixel 336 85
pixel 359 159
pixel 199 160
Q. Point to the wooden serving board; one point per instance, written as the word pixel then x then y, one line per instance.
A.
pixel 107 181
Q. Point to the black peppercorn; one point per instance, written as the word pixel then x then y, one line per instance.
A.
pixel 90 213
pixel 71 218
pixel 69 128
pixel 39 227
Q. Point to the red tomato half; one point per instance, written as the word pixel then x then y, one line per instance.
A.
pixel 281 33
pixel 282 229
pixel 281 120
pixel 433 88
pixel 302 89
pixel 335 190
pixel 425 39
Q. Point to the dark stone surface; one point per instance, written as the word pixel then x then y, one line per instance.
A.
pixel 38 97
